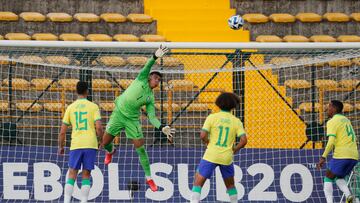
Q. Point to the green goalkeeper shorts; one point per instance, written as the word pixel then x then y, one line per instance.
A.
pixel 118 122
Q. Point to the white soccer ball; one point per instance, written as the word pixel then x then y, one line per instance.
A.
pixel 236 22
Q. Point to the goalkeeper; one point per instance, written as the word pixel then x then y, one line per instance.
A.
pixel 126 115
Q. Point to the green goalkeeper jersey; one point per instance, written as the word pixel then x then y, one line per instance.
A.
pixel 137 95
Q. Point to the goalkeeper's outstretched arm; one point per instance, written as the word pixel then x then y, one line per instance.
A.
pixel 145 71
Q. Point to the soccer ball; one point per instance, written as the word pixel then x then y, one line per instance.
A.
pixel 236 22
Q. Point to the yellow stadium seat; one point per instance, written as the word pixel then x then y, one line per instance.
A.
pixel 17 83
pixel 87 17
pixel 99 37
pixel 356 61
pixel 268 38
pixel 169 61
pixel 108 106
pixel 326 84
pixel 355 16
pixel 71 37
pixel 54 107
pixel 322 38
pixel 17 36
pixel 60 60
pixel 69 84
pixel 139 18
pixel 349 83
pixel 110 61
pixel 101 83
pixel 282 18
pixel 181 84
pixel 42 83
pixel 137 60
pixel 59 17
pixel 126 38
pixel 196 107
pixel 4 106
pixel 4 60
pixel 357 106
pixel 152 38
pixel 308 17
pixel 340 63
pixel 336 17
pixel 348 38
pixel 124 83
pixel 8 16
pixel 280 60
pixel 113 17
pixel 30 59
pixel 307 107
pixel 295 38
pixel 166 107
pixel 23 106
pixel 44 37
pixel 32 16
pixel 297 84
pixel 348 108
pixel 1 37
pixel 255 18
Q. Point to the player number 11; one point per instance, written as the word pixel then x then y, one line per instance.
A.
pixel 221 128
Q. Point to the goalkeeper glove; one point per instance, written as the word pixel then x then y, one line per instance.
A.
pixel 168 131
pixel 160 52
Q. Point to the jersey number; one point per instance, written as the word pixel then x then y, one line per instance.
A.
pixel 221 128
pixel 350 132
pixel 80 120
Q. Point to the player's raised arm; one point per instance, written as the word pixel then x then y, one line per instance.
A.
pixel 145 71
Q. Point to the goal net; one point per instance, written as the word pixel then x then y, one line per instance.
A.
pixel 284 90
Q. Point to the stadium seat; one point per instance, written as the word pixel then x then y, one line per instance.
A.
pixel 108 106
pixel 32 16
pixel 8 16
pixel 280 60
pixel 4 106
pixel 349 83
pixel 295 38
pixel 30 59
pixel 1 37
pixel 4 60
pixel 357 106
pixel 168 61
pixel 196 107
pixel 42 83
pixel 355 16
pixel 60 60
pixel 308 17
pixel 59 17
pixel 282 18
pixel 139 18
pixel 322 38
pixel 69 84
pixel 340 63
pixel 124 83
pixel 326 84
pixel 87 17
pixel 152 38
pixel 137 60
pixel 268 38
pixel 17 36
pixel 348 38
pixel 255 18
pixel 71 37
pixel 23 106
pixel 113 17
pixel 44 37
pixel 336 17
pixel 126 38
pixel 307 107
pixel 101 83
pixel 17 83
pixel 54 107
pixel 99 37
pixel 356 61
pixel 174 107
pixel 297 84
pixel 110 61
pixel 181 85
pixel 348 108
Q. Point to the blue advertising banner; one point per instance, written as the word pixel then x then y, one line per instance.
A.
pixel 36 174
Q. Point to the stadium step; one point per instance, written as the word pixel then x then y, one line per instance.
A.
pixel 193 13
pixel 184 4
pixel 206 36
pixel 214 24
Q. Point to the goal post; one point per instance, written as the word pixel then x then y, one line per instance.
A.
pixel 284 90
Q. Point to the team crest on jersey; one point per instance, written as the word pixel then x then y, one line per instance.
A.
pixel 148 99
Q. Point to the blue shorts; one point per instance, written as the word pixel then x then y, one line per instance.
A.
pixel 342 167
pixel 84 157
pixel 207 168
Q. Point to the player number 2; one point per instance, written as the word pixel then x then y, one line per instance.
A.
pixel 221 128
pixel 350 132
pixel 80 120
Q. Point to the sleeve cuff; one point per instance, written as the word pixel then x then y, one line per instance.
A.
pixel 97 119
pixel 206 130
pixel 331 135
pixel 66 123
pixel 242 135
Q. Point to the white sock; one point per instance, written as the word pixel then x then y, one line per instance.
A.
pixel 195 197
pixel 328 190
pixel 148 177
pixel 85 189
pixel 341 183
pixel 68 190
pixel 233 198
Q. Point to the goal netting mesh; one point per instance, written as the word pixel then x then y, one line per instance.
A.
pixel 284 96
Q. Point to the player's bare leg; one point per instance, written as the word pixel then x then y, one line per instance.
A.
pixel 69 186
pixel 107 144
pixel 85 185
pixel 231 189
pixel 144 161
pixel 196 190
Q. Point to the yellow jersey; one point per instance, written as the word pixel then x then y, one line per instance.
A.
pixel 82 115
pixel 345 139
pixel 222 128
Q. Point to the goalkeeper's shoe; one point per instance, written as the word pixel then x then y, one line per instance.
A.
pixel 152 185
pixel 108 157
pixel 350 199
